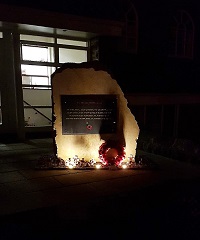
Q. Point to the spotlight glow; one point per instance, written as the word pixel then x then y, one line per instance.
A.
pixel 124 166
pixel 98 166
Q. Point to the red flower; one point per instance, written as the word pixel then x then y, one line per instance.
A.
pixel 89 127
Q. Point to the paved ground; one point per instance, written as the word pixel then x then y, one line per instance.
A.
pixel 60 204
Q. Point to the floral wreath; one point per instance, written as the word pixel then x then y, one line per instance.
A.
pixel 103 149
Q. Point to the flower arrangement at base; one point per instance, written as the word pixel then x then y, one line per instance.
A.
pixel 50 161
pixel 115 159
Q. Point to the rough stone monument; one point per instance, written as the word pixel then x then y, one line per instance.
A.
pixel 92 121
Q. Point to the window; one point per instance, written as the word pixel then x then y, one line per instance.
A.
pixel 34 38
pixel 40 56
pixel 72 55
pixel 36 67
pixel 72 42
pixel 181 37
pixel 131 29
pixel 37 53
pixel 36 76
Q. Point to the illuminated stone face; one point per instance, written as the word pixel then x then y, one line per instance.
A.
pixel 84 115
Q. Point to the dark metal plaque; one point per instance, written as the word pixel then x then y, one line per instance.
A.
pixel 88 114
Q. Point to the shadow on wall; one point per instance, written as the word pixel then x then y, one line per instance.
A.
pixel 118 137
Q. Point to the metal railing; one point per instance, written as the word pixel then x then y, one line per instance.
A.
pixel 34 108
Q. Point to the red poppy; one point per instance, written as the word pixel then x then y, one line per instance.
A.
pixel 89 127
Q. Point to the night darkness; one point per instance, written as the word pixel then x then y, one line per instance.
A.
pixel 161 198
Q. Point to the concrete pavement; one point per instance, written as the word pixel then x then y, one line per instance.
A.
pixel 54 204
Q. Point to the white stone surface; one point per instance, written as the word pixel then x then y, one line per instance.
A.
pixel 78 81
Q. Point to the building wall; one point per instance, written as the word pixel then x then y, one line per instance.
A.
pixel 148 69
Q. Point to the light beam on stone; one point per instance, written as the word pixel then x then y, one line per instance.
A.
pixel 90 109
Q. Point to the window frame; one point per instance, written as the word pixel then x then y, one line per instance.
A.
pixel 181 39
pixel 56 47
pixel 55 64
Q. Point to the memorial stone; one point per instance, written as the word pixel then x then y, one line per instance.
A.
pixel 89 109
